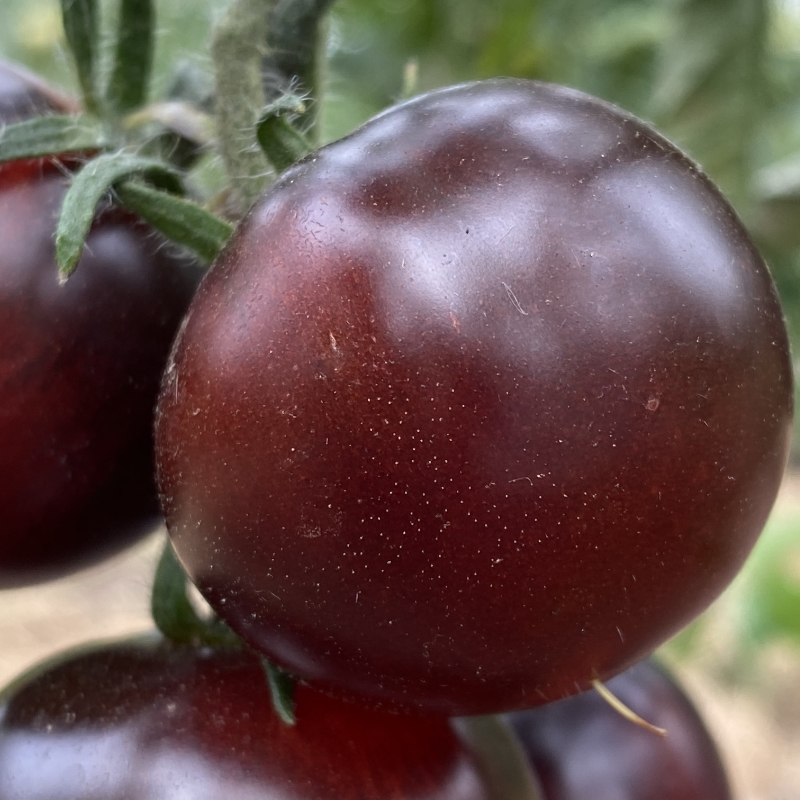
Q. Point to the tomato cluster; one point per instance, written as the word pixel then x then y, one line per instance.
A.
pixel 479 405
pixel 146 718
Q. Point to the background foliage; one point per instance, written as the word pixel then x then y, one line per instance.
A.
pixel 719 77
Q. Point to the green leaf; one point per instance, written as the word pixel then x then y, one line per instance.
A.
pixel 133 61
pixel 281 142
pixel 180 220
pixel 88 188
pixel 81 29
pixel 281 688
pixel 50 136
pixel 174 614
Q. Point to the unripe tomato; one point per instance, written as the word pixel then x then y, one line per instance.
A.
pixel 482 402
pixel 582 748
pixel 79 368
pixel 145 720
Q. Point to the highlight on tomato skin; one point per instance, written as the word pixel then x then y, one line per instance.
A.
pixel 482 402
pixel 147 719
pixel 79 367
pixel 581 747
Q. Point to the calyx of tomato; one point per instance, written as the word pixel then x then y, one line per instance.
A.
pixel 139 153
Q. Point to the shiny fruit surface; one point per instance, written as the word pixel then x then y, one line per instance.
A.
pixel 137 721
pixel 481 402
pixel 582 748
pixel 79 370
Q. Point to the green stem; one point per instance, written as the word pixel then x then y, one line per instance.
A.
pixel 237 49
pixel 297 40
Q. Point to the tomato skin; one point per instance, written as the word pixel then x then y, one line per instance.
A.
pixel 481 402
pixel 23 95
pixel 79 372
pixel 144 720
pixel 581 747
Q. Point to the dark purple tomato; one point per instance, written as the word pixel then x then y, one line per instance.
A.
pixel 23 95
pixel 582 749
pixel 138 721
pixel 79 371
pixel 481 402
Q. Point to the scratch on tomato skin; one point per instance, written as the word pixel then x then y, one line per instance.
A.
pixel 513 298
pixel 456 324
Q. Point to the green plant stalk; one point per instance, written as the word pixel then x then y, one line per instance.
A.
pixel 237 48
pixel 295 59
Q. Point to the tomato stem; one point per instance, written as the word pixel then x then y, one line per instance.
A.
pixel 500 757
pixel 236 49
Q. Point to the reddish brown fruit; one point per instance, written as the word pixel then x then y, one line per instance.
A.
pixel 140 721
pixel 481 402
pixel 582 748
pixel 79 370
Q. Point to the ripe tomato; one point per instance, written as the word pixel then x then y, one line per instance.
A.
pixel 142 720
pixel 481 402
pixel 23 95
pixel 79 369
pixel 581 747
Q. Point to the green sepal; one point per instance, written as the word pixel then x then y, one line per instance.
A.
pixel 175 616
pixel 133 61
pixel 180 220
pixel 81 30
pixel 281 688
pixel 88 188
pixel 281 142
pixel 52 135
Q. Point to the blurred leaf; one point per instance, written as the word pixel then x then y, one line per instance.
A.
pixel 281 688
pixel 133 62
pixel 712 86
pixel 54 134
pixel 81 27
pixel 771 604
